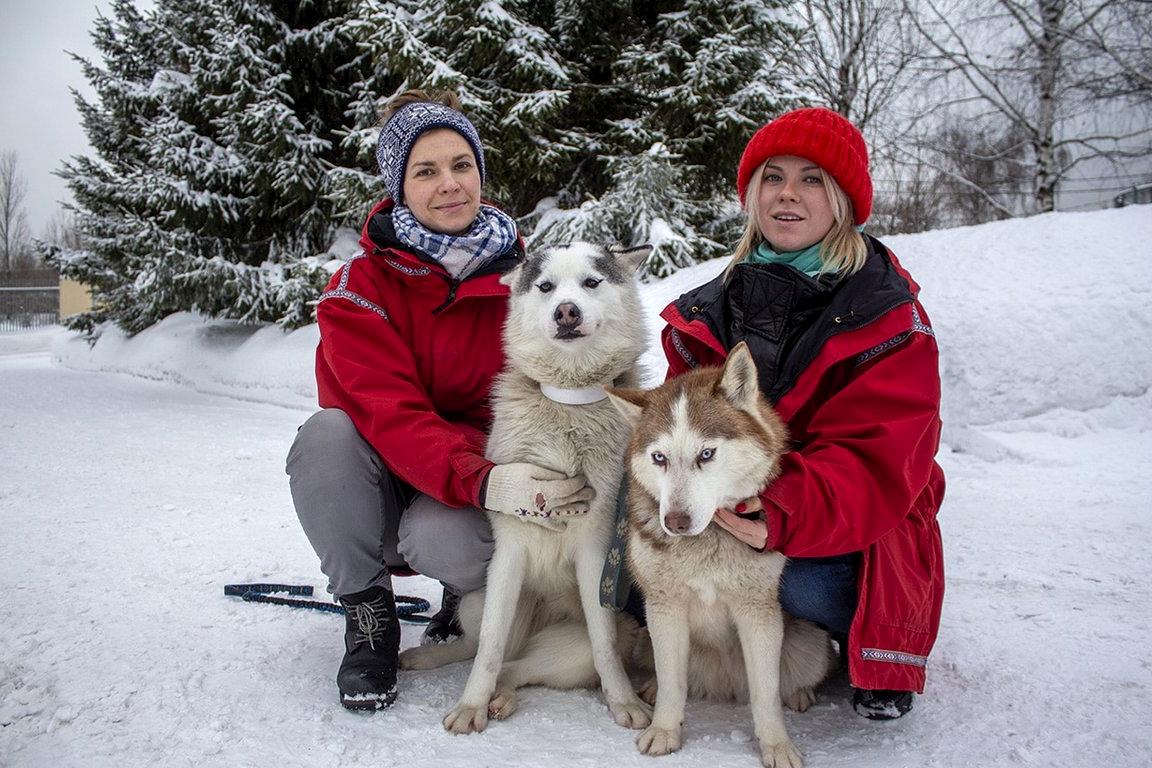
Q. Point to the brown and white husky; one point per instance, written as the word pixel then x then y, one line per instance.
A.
pixel 702 441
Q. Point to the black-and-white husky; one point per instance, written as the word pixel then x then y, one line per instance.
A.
pixel 574 326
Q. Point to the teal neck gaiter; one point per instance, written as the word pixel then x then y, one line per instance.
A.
pixel 807 261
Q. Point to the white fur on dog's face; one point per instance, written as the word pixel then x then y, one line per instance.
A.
pixel 693 473
pixel 702 441
pixel 601 283
pixel 609 338
pixel 566 276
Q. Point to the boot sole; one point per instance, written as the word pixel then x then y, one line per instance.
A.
pixel 363 703
pixel 890 711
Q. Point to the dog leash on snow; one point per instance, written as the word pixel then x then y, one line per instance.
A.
pixel 407 608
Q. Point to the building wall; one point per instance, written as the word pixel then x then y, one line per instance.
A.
pixel 74 298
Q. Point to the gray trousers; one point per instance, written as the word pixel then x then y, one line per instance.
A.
pixel 361 519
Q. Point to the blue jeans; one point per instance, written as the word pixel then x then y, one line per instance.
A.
pixel 821 590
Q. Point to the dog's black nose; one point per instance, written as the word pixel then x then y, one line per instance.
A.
pixel 568 314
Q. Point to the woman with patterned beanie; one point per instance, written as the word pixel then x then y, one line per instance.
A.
pixel 846 355
pixel 390 475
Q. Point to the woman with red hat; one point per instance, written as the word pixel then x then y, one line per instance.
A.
pixel 847 356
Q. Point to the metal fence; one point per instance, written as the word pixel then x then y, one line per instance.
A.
pixel 29 298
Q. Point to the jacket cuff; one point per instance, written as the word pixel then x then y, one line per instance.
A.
pixel 773 519
pixel 480 489
pixel 775 500
pixel 769 544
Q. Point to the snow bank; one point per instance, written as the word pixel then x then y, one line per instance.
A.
pixel 262 364
pixel 1034 314
pixel 1038 313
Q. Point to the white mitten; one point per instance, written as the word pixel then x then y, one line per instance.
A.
pixel 538 495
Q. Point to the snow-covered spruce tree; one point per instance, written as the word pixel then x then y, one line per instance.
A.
pixel 232 138
pixel 519 69
pixel 605 120
pixel 708 73
pixel 213 127
pixel 131 46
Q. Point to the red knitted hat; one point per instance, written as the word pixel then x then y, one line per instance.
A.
pixel 825 138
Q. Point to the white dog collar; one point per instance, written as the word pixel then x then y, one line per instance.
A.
pixel 583 396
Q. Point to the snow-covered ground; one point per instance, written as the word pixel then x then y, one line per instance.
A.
pixel 127 503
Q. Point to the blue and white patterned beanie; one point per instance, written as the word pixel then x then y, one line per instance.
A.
pixel 406 125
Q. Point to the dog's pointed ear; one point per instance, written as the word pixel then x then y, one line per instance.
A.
pixel 630 402
pixel 510 277
pixel 635 257
pixel 740 383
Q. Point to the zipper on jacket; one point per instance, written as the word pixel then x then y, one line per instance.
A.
pixel 452 286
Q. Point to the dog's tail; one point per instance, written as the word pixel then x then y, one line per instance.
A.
pixel 805 660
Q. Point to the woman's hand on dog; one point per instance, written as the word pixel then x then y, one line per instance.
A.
pixel 536 494
pixel 745 523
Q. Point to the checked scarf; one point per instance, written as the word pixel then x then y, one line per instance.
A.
pixel 492 234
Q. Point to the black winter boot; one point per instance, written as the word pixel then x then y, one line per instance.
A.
pixel 882 705
pixel 367 676
pixel 444 626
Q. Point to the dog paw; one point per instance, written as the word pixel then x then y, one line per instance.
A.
pixel 502 704
pixel 800 699
pixel 415 658
pixel 634 713
pixel 465 718
pixel 658 741
pixel 780 755
pixel 648 691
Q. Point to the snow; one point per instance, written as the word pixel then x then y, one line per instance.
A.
pixel 139 476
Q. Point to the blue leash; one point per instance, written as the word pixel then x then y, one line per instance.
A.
pixel 407 608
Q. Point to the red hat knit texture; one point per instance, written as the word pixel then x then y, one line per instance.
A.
pixel 822 136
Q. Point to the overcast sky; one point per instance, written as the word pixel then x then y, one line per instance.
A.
pixel 37 116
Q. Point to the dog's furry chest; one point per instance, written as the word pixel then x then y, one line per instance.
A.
pixel 574 439
pixel 706 578
pixel 709 572
pixel 551 568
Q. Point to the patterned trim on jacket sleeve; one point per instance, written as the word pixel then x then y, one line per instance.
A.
pixel 341 291
pixel 918 326
pixel 893 657
pixel 683 350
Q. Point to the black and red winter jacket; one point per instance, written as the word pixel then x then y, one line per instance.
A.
pixel 852 366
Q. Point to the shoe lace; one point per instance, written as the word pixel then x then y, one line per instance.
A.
pixel 370 622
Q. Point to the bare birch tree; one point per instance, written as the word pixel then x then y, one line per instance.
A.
pixel 1044 68
pixel 856 56
pixel 15 237
pixel 61 231
pixel 1120 39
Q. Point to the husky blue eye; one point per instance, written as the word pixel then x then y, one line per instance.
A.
pixel 706 454
pixel 659 459
pixel 545 287
pixel 591 282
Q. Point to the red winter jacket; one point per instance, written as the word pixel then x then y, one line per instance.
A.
pixel 863 413
pixel 410 355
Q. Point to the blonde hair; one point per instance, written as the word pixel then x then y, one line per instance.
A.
pixel 415 96
pixel 842 250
